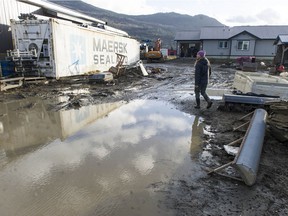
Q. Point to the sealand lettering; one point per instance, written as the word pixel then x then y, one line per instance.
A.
pixel 104 59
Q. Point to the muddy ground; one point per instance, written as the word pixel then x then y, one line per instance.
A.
pixel 172 81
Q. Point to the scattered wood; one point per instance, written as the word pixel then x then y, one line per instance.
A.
pixel 236 142
pixel 35 80
pixel 220 168
pixel 120 68
pixel 278 120
pixel 15 82
pixel 241 126
pixel 10 83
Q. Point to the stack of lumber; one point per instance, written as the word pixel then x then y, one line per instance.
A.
pixel 278 120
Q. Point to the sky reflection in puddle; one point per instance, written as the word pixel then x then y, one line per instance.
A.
pixel 97 160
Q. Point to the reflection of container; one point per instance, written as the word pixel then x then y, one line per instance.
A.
pixel 7 68
pixel 1 128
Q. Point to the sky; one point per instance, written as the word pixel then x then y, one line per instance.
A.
pixel 228 12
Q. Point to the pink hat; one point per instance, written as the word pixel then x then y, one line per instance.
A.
pixel 201 53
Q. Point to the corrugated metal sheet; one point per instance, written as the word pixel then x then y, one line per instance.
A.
pixel 283 39
pixel 262 32
pixel 188 35
pixel 215 33
pixel 67 49
pixel 10 9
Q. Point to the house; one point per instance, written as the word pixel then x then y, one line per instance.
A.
pixel 282 47
pixel 231 42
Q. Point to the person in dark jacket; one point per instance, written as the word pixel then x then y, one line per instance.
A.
pixel 202 72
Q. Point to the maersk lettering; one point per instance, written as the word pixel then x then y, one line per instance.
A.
pixel 102 45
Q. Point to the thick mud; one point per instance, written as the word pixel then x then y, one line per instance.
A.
pixel 184 187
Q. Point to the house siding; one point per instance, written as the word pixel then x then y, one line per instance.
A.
pixel 212 48
pixel 234 45
pixel 261 40
pixel 265 48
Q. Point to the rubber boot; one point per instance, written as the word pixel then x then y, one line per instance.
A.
pixel 197 103
pixel 209 104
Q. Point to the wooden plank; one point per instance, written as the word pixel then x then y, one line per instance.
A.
pixel 249 114
pixel 243 125
pixel 236 141
pixel 221 167
pixel 11 79
pixel 35 80
pixel 11 83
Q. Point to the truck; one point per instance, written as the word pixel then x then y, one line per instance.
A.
pixel 53 47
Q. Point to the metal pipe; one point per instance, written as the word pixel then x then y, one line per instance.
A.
pixel 246 99
pixel 248 157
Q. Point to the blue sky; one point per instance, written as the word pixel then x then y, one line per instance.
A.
pixel 228 12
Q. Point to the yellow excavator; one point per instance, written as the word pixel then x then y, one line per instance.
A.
pixel 155 54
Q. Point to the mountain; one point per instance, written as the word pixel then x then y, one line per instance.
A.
pixel 144 27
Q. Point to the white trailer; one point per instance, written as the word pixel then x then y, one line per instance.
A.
pixel 58 48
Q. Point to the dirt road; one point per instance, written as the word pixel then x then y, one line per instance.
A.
pixel 173 82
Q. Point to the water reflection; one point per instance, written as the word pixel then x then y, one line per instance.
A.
pixel 27 124
pixel 89 167
pixel 197 133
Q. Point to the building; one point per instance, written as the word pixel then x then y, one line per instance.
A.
pixel 231 42
pixel 10 9
pixel 282 48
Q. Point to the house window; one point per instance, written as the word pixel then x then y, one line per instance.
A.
pixel 243 45
pixel 223 44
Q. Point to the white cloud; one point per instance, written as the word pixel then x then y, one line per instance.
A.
pixel 130 7
pixel 240 12
pixel 269 16
pixel 241 19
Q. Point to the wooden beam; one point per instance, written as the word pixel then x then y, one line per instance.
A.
pixel 251 113
pixel 236 141
pixel 243 125
pixel 220 168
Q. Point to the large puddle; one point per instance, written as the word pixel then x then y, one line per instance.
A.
pixel 97 160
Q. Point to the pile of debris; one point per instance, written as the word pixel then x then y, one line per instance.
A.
pixel 278 120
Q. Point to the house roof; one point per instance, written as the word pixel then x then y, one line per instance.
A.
pixel 188 35
pixel 225 32
pixel 281 39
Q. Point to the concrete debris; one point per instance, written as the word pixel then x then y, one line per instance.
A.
pixel 231 150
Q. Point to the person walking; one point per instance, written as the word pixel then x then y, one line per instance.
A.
pixel 202 73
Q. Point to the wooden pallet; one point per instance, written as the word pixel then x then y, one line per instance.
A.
pixel 30 80
pixel 120 68
pixel 10 83
pixel 6 84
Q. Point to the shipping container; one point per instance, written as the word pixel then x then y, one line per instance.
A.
pixel 58 48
